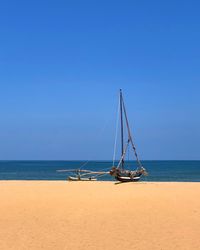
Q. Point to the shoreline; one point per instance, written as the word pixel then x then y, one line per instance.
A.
pixel 98 181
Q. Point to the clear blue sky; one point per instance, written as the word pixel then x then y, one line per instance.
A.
pixel 63 62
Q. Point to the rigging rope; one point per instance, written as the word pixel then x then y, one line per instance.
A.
pixel 116 131
pixel 84 164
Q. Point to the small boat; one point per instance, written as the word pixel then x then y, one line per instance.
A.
pixel 72 178
pixel 82 174
pixel 119 172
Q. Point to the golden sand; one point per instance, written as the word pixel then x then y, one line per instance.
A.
pixel 61 215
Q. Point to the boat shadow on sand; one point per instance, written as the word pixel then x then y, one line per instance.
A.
pixel 131 182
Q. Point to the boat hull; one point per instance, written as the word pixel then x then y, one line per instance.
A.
pixel 71 178
pixel 127 179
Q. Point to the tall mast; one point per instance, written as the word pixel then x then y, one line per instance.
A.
pixel 122 128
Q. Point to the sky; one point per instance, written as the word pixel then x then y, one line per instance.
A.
pixel 62 64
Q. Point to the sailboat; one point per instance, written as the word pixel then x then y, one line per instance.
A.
pixel 119 172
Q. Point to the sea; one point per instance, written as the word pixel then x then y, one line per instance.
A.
pixel 160 171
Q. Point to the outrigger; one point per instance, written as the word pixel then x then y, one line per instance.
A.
pixel 82 174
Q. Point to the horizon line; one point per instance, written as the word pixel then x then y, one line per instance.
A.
pixel 102 160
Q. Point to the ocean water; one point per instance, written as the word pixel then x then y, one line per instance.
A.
pixel 186 171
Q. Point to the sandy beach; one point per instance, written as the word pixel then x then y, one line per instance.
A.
pixel 99 215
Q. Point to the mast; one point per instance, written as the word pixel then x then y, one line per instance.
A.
pixel 122 129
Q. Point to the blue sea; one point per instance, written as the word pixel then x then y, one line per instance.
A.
pixel 186 171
